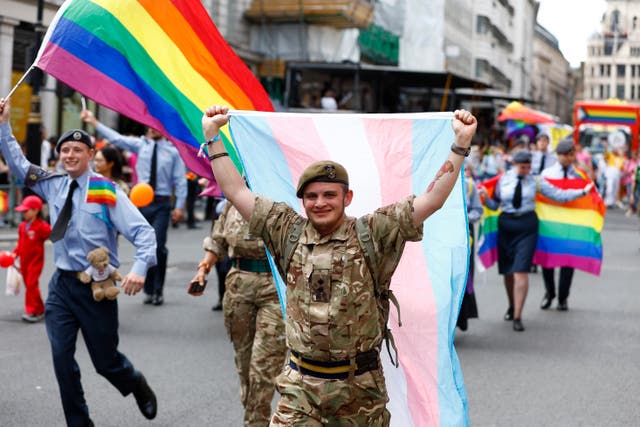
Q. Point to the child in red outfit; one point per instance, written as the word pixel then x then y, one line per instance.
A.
pixel 32 233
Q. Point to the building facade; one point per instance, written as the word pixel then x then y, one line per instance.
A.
pixel 550 86
pixel 612 65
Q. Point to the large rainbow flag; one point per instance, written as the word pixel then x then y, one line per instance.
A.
pixel 159 62
pixel 568 232
pixel 387 157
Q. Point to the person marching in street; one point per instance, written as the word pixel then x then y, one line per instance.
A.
pixel 469 308
pixel 158 164
pixel 83 222
pixel 515 195
pixel 542 158
pixel 32 233
pixel 334 375
pixel 564 168
pixel 252 312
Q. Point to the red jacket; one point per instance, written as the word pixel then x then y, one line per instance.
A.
pixel 30 247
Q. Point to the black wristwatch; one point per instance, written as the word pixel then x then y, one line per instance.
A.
pixel 461 151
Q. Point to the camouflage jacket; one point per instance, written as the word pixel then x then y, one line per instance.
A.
pixel 331 307
pixel 230 235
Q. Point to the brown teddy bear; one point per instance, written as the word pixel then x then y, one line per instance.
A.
pixel 101 275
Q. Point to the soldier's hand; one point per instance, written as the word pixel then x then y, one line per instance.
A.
pixel 464 126
pixel 201 279
pixel 132 283
pixel 213 119
pixel 177 215
pixel 5 110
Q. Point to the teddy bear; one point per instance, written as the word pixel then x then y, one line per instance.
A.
pixel 101 275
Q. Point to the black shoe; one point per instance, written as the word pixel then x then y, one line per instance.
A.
pixel 508 316
pixel 146 399
pixel 462 324
pixel 193 227
pixel 562 306
pixel 546 301
pixel 517 325
pixel 158 300
pixel 217 307
pixel 90 423
pixel 148 299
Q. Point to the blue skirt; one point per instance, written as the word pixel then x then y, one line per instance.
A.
pixel 517 239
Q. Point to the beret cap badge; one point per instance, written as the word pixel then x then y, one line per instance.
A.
pixel 331 171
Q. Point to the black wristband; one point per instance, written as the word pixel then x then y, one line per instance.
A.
pixel 218 155
pixel 460 151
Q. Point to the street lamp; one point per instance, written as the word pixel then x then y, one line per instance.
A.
pixel 34 122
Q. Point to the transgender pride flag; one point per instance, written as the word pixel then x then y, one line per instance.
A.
pixel 387 157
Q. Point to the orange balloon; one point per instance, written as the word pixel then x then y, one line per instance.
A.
pixel 141 194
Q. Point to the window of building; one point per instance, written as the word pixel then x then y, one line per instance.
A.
pixel 601 92
pixel 592 90
pixel 633 92
pixel 608 70
pixel 620 70
pixel 602 69
pixel 633 71
pixel 620 91
pixel 483 24
pixel 607 91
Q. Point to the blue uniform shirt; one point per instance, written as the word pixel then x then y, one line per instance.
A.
pixel 170 169
pixel 557 172
pixel 92 224
pixel 536 161
pixel 506 187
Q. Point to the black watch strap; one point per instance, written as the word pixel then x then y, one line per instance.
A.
pixel 461 151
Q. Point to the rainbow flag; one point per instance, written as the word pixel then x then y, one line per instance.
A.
pixel 610 116
pixel 387 157
pixel 101 190
pixel 569 233
pixel 159 62
pixel 488 231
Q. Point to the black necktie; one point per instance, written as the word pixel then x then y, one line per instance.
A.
pixel 154 165
pixel 517 195
pixel 60 227
pixel 542 163
pixel 564 170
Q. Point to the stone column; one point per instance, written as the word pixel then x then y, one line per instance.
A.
pixel 7 26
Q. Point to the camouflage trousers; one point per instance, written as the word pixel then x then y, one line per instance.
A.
pixel 255 326
pixel 315 402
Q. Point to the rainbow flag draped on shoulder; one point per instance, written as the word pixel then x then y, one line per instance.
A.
pixel 568 232
pixel 159 62
pixel 387 157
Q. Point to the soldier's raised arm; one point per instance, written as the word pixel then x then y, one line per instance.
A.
pixel 464 126
pixel 227 176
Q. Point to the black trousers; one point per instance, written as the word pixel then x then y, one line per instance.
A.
pixel 566 276
pixel 70 308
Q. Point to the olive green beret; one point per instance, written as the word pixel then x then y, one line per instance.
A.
pixel 322 171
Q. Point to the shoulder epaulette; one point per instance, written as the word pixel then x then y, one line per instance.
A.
pixel 36 173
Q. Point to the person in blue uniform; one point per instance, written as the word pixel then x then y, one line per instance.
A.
pixel 518 227
pixel 159 164
pixel 564 168
pixel 79 226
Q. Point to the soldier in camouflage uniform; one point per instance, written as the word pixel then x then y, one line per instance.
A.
pixel 333 327
pixel 252 312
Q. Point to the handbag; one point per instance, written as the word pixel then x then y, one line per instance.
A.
pixel 14 281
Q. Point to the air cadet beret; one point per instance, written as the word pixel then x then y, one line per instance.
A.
pixel 522 156
pixel 565 146
pixel 77 135
pixel 323 171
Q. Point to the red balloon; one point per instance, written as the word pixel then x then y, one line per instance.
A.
pixel 6 259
